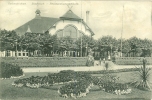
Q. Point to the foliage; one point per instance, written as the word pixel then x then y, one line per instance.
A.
pixel 66 44
pixel 106 44
pixel 131 60
pixel 7 40
pixel 47 44
pixel 46 61
pixel 90 61
pixel 8 70
pixel 51 79
pixel 144 75
pixel 75 89
pixel 77 84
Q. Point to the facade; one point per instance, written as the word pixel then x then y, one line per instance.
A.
pixel 70 25
pixel 67 25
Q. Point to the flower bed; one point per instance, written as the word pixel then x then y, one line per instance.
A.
pixel 115 88
pixel 51 79
pixel 75 89
pixel 74 84
pixel 108 83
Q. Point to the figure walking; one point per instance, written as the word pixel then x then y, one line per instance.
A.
pixel 100 61
pixel 103 60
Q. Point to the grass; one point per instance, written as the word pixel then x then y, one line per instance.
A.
pixel 7 91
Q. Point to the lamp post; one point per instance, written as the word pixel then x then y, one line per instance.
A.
pixel 86 48
pixel 52 47
pixel 16 52
pixel 16 48
pixel 111 49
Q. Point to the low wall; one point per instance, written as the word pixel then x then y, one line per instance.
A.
pixel 45 61
pixel 132 60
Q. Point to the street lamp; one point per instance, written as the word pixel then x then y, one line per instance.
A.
pixel 86 48
pixel 111 49
pixel 52 47
pixel 16 48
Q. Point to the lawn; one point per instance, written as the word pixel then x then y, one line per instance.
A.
pixel 7 91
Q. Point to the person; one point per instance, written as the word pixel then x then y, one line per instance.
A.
pixel 144 61
pixel 100 61
pixel 103 60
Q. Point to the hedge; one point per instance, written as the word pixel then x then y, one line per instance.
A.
pixel 132 60
pixel 8 70
pixel 46 61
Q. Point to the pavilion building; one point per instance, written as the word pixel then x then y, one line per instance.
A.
pixel 67 25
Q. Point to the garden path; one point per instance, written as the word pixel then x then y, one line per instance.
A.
pixel 112 66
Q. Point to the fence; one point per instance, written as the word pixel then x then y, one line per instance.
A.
pixel 132 60
pixel 45 61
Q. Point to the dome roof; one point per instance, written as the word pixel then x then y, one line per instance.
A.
pixel 37 11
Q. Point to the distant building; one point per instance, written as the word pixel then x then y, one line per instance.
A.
pixel 67 25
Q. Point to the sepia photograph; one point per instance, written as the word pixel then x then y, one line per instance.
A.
pixel 76 50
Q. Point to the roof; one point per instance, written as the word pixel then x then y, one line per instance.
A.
pixel 92 33
pixel 41 24
pixel 70 15
pixel 37 25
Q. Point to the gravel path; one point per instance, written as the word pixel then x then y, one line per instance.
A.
pixel 80 68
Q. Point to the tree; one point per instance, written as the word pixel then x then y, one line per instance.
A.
pixel 106 45
pixel 7 40
pixel 46 43
pixel 87 43
pixel 29 42
pixel 65 44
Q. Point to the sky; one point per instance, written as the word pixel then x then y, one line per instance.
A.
pixel 105 17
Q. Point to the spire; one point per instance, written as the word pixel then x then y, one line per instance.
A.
pixel 28 30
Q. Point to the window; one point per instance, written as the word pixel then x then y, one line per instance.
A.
pixel 23 54
pixel 19 54
pixel 8 53
pixel 26 54
pixel 70 31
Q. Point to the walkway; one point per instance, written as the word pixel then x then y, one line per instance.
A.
pixel 80 68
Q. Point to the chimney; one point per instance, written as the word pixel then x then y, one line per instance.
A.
pixel 87 17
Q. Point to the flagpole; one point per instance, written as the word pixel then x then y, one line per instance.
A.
pixel 122 30
pixel 81 28
pixel 151 17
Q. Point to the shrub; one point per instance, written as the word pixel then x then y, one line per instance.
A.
pixel 132 60
pixel 90 61
pixel 46 61
pixel 144 75
pixel 7 70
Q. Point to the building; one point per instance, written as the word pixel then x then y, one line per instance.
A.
pixel 68 24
